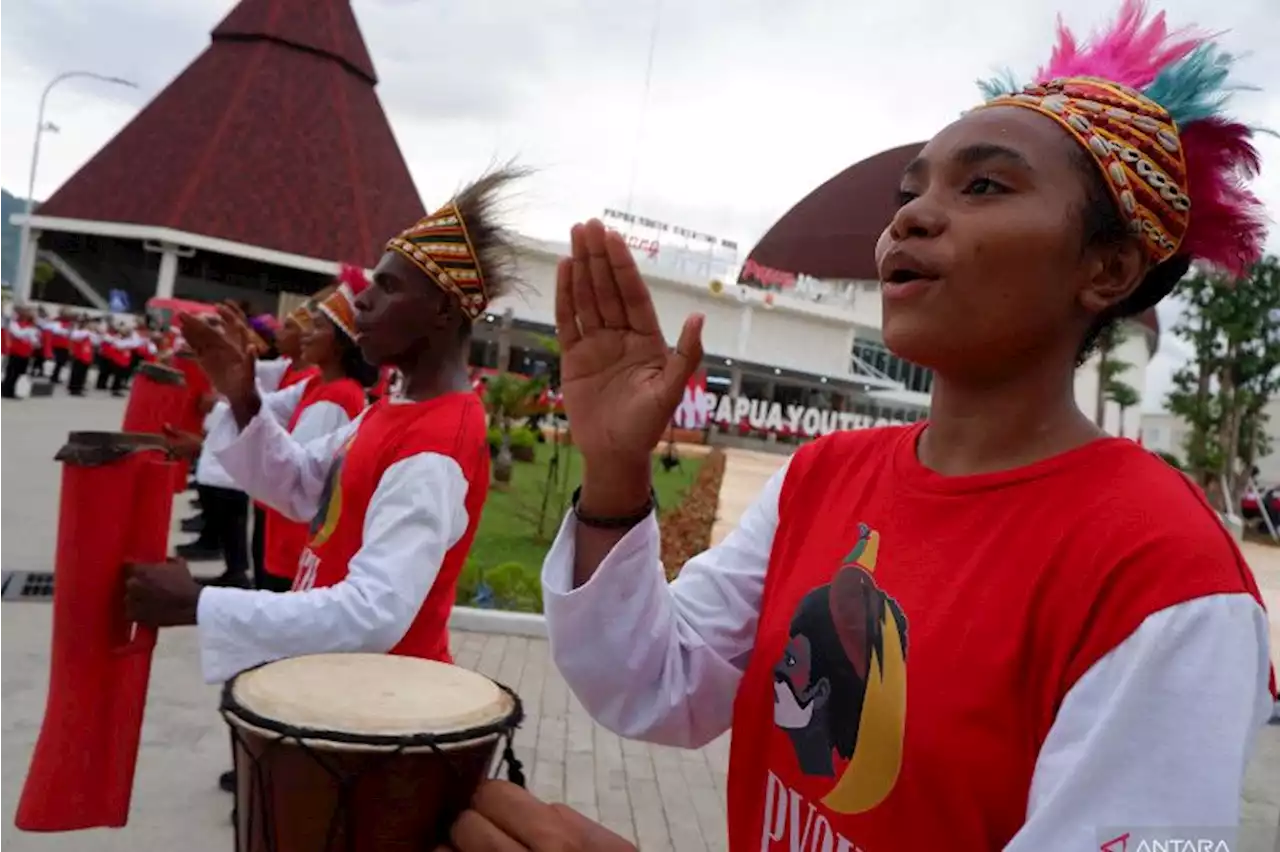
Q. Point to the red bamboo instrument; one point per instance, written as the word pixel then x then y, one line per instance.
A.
pixel 197 384
pixel 158 397
pixel 116 503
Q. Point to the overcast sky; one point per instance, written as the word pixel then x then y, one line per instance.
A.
pixel 750 105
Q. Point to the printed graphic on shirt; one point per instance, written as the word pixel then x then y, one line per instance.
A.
pixel 326 519
pixel 840 688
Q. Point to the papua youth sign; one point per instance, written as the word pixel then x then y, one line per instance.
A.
pixel 701 408
pixel 789 418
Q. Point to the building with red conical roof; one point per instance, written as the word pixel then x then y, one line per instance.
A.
pixel 264 164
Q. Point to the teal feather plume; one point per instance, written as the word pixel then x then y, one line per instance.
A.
pixel 1195 87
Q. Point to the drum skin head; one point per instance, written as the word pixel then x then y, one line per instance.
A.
pixel 371 695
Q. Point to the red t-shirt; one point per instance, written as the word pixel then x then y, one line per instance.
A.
pixel 82 350
pixel 285 538
pixel 19 345
pixel 452 425
pixel 294 374
pixel 918 633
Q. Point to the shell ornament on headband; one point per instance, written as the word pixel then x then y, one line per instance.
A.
pixel 1148 105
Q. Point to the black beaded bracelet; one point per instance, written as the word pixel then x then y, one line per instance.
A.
pixel 617 523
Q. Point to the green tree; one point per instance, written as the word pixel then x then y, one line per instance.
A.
pixel 1233 329
pixel 508 396
pixel 1110 369
pixel 41 274
pixel 1124 396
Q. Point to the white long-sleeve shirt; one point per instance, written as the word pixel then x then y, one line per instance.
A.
pixel 416 514
pixel 1156 733
pixel 270 373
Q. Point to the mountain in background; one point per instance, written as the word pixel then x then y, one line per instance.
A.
pixel 11 246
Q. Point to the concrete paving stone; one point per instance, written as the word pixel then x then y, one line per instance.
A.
pixel 661 798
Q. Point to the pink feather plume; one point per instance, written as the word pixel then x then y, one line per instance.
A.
pixel 1228 222
pixel 1132 52
pixel 353 277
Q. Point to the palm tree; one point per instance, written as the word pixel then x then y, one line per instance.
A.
pixel 1110 368
pixel 508 396
pixel 1124 396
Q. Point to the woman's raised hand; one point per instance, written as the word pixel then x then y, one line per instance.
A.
pixel 620 379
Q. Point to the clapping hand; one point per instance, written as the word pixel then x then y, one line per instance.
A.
pixel 221 344
pixel 507 818
pixel 621 382
pixel 183 444
pixel 161 595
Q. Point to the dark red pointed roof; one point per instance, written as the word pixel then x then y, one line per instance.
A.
pixel 831 233
pixel 273 137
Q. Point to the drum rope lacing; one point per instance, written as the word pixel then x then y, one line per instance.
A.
pixel 342 819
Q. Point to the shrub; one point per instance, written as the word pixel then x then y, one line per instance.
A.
pixel 523 443
pixel 510 586
pixel 686 529
pixel 523 437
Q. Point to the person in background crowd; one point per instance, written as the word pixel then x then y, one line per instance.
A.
pixel 137 344
pixel 44 348
pixel 61 331
pixel 328 400
pixel 80 350
pixel 128 354
pixel 24 340
pixel 108 354
pixel 224 507
pixel 284 370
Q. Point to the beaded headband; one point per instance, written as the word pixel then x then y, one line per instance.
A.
pixel 1135 145
pixel 339 305
pixel 440 246
pixel 1148 106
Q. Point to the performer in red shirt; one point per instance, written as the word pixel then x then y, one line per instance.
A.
pixel 278 373
pixel 80 348
pixel 60 334
pixel 328 399
pixel 971 633
pixel 393 499
pixel 24 339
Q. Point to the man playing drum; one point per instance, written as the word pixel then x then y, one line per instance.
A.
pixel 393 499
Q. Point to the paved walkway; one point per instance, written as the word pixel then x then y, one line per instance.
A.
pixel 667 799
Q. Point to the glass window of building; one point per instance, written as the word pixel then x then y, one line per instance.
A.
pixel 880 360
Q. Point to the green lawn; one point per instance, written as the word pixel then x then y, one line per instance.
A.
pixel 508 550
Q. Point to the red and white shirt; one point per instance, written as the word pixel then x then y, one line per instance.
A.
pixel 81 345
pixel 320 408
pixel 1018 660
pixel 394 500
pixel 24 337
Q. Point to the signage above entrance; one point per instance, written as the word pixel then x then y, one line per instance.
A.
pixel 701 408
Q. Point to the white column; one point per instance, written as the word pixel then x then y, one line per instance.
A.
pixel 168 271
pixel 26 268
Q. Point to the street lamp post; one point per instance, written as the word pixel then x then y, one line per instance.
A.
pixel 26 262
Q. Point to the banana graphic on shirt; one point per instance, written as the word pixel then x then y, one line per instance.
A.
pixel 873 769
